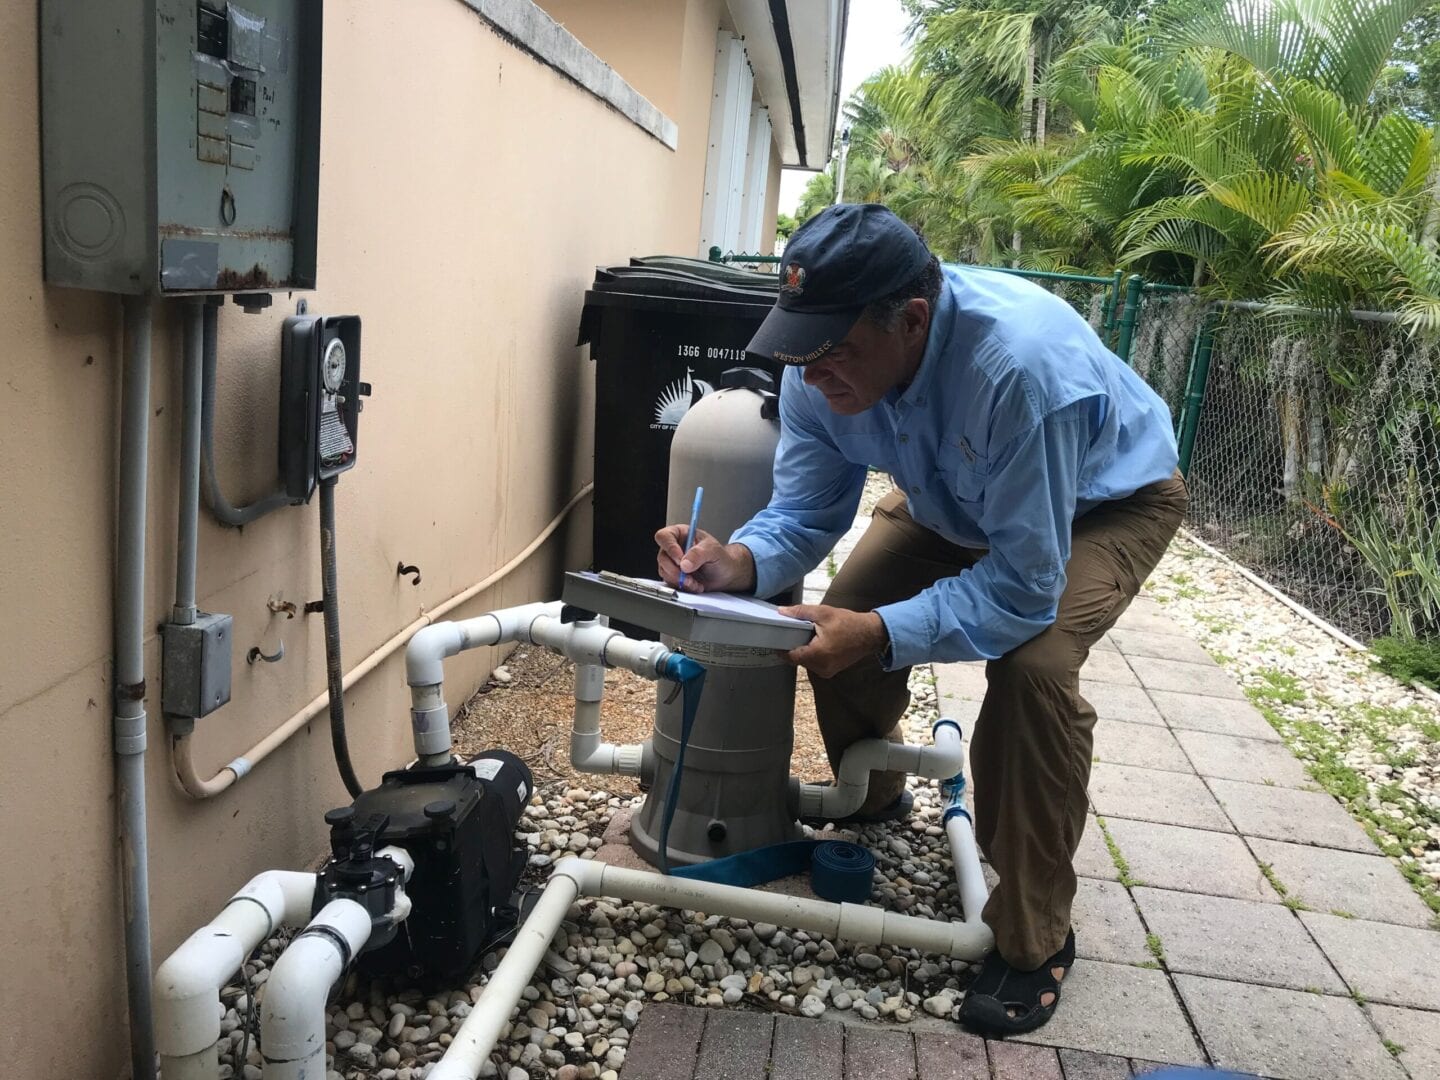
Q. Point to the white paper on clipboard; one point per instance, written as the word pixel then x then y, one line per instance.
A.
pixel 724 605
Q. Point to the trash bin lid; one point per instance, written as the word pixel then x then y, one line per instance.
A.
pixel 712 271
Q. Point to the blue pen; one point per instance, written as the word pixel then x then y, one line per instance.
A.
pixel 690 536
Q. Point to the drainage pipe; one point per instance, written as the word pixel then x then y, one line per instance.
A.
pixel 129 681
pixel 939 762
pixel 198 787
pixel 292 1011
pixel 574 877
pixel 188 983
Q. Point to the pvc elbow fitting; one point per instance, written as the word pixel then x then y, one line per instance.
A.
pixel 427 650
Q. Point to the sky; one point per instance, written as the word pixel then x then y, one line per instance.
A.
pixel 873 40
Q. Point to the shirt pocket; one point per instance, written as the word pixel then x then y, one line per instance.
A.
pixel 964 473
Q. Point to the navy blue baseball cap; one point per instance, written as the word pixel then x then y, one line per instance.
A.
pixel 835 264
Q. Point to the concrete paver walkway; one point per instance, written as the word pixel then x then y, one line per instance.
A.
pixel 1229 913
pixel 1276 940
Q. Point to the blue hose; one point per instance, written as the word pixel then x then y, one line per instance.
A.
pixel 690 674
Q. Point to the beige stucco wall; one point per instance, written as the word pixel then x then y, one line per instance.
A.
pixel 465 204
pixel 646 52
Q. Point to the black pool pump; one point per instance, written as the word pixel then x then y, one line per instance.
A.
pixel 458 824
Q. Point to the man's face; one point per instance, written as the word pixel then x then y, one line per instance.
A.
pixel 857 374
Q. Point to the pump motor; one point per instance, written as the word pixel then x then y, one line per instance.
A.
pixel 458 823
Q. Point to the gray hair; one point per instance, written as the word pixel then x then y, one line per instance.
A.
pixel 885 312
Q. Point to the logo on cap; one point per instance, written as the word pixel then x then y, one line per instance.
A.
pixel 794 283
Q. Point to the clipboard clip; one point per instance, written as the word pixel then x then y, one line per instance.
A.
pixel 612 578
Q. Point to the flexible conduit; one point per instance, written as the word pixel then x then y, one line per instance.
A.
pixel 197 787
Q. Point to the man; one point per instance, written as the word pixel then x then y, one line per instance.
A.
pixel 1036 490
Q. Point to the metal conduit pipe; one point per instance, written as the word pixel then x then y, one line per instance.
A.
pixel 181 752
pixel 573 878
pixel 188 527
pixel 188 983
pixel 129 681
pixel 847 794
pixel 225 512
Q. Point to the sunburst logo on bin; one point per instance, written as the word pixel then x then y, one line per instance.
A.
pixel 675 400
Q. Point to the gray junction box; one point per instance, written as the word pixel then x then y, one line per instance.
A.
pixel 180 144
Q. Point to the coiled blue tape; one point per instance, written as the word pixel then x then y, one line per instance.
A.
pixel 839 871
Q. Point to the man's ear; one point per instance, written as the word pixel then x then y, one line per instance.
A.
pixel 915 319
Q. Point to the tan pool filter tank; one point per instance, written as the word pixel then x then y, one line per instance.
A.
pixel 735 793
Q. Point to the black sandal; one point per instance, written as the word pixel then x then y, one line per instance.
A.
pixel 1000 990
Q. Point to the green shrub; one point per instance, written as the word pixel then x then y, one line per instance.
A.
pixel 1416 659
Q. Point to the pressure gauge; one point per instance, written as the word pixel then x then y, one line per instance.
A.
pixel 332 365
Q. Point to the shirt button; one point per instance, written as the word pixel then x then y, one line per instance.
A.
pixel 914 489
pixel 904 438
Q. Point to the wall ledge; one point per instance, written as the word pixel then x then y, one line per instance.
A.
pixel 529 28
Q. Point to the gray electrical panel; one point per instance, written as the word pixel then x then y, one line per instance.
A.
pixel 180 143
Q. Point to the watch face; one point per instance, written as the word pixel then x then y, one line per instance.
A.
pixel 332 365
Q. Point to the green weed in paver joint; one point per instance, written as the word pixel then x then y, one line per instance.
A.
pixel 830 568
pixel 1314 990
pixel 1157 950
pixel 1360 998
pixel 1395 1048
pixel 1341 913
pixel 1151 964
pixel 1119 860
pixel 1270 876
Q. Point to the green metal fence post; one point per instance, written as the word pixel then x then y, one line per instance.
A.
pixel 716 255
pixel 1111 309
pixel 1128 316
pixel 1195 380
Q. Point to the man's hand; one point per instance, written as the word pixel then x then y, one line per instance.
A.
pixel 710 566
pixel 842 637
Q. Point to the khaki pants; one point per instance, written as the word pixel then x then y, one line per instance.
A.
pixel 1031 748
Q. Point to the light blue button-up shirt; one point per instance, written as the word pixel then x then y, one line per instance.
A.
pixel 1018 421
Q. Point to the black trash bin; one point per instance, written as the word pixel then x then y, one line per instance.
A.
pixel 661 332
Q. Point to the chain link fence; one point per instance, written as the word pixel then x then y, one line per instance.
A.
pixel 1316 464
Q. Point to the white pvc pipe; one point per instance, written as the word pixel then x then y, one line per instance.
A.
pixel 938 762
pixel 969 875
pixel 574 877
pixel 425 670
pixel 476 1037
pixel 587 753
pixel 188 983
pixel 292 1011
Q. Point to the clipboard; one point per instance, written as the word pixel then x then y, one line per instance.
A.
pixel 716 618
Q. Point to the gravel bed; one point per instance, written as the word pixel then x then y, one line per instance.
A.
pixel 1364 736
pixel 610 959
